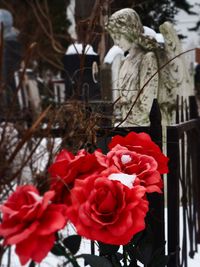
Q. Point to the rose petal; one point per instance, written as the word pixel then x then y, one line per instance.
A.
pixel 35 248
pixel 51 222
pixel 22 235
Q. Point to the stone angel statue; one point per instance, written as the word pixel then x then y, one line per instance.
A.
pixel 131 72
pixel 135 73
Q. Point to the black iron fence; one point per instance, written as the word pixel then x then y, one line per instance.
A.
pixel 183 189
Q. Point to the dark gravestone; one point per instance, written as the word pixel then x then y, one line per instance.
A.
pixel 11 59
pixel 81 76
pixel 11 63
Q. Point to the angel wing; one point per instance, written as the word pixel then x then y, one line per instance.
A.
pixel 174 78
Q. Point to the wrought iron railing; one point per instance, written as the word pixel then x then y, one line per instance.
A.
pixel 183 191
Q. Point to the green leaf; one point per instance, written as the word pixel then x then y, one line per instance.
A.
pixel 144 253
pixel 106 249
pixel 137 237
pixel 133 263
pixel 160 251
pixel 159 259
pixel 72 243
pixel 119 256
pixel 143 249
pixel 96 261
pixel 58 250
pixel 32 264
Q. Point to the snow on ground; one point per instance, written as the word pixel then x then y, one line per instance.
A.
pixel 52 261
pixel 196 261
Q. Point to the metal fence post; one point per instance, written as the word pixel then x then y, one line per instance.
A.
pixel 173 195
pixel 157 200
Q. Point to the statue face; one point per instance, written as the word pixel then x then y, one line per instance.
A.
pixel 125 28
pixel 121 41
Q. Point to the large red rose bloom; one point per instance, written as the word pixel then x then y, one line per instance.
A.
pixel 142 143
pixel 68 167
pixel 105 209
pixel 143 166
pixel 30 222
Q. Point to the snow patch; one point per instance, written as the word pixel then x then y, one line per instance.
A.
pixel 125 159
pixel 123 178
pixel 159 38
pixel 76 48
pixel 149 32
pixel 112 53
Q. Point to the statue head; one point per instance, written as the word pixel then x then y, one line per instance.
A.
pixel 125 28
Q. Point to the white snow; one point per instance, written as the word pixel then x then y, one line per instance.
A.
pixel 149 32
pixel 186 21
pixel 78 48
pixel 112 53
pixel 160 38
pixel 125 159
pixel 123 178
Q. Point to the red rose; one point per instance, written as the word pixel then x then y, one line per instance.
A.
pixel 143 166
pixel 68 167
pixel 30 222
pixel 108 208
pixel 142 144
pixel 60 168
